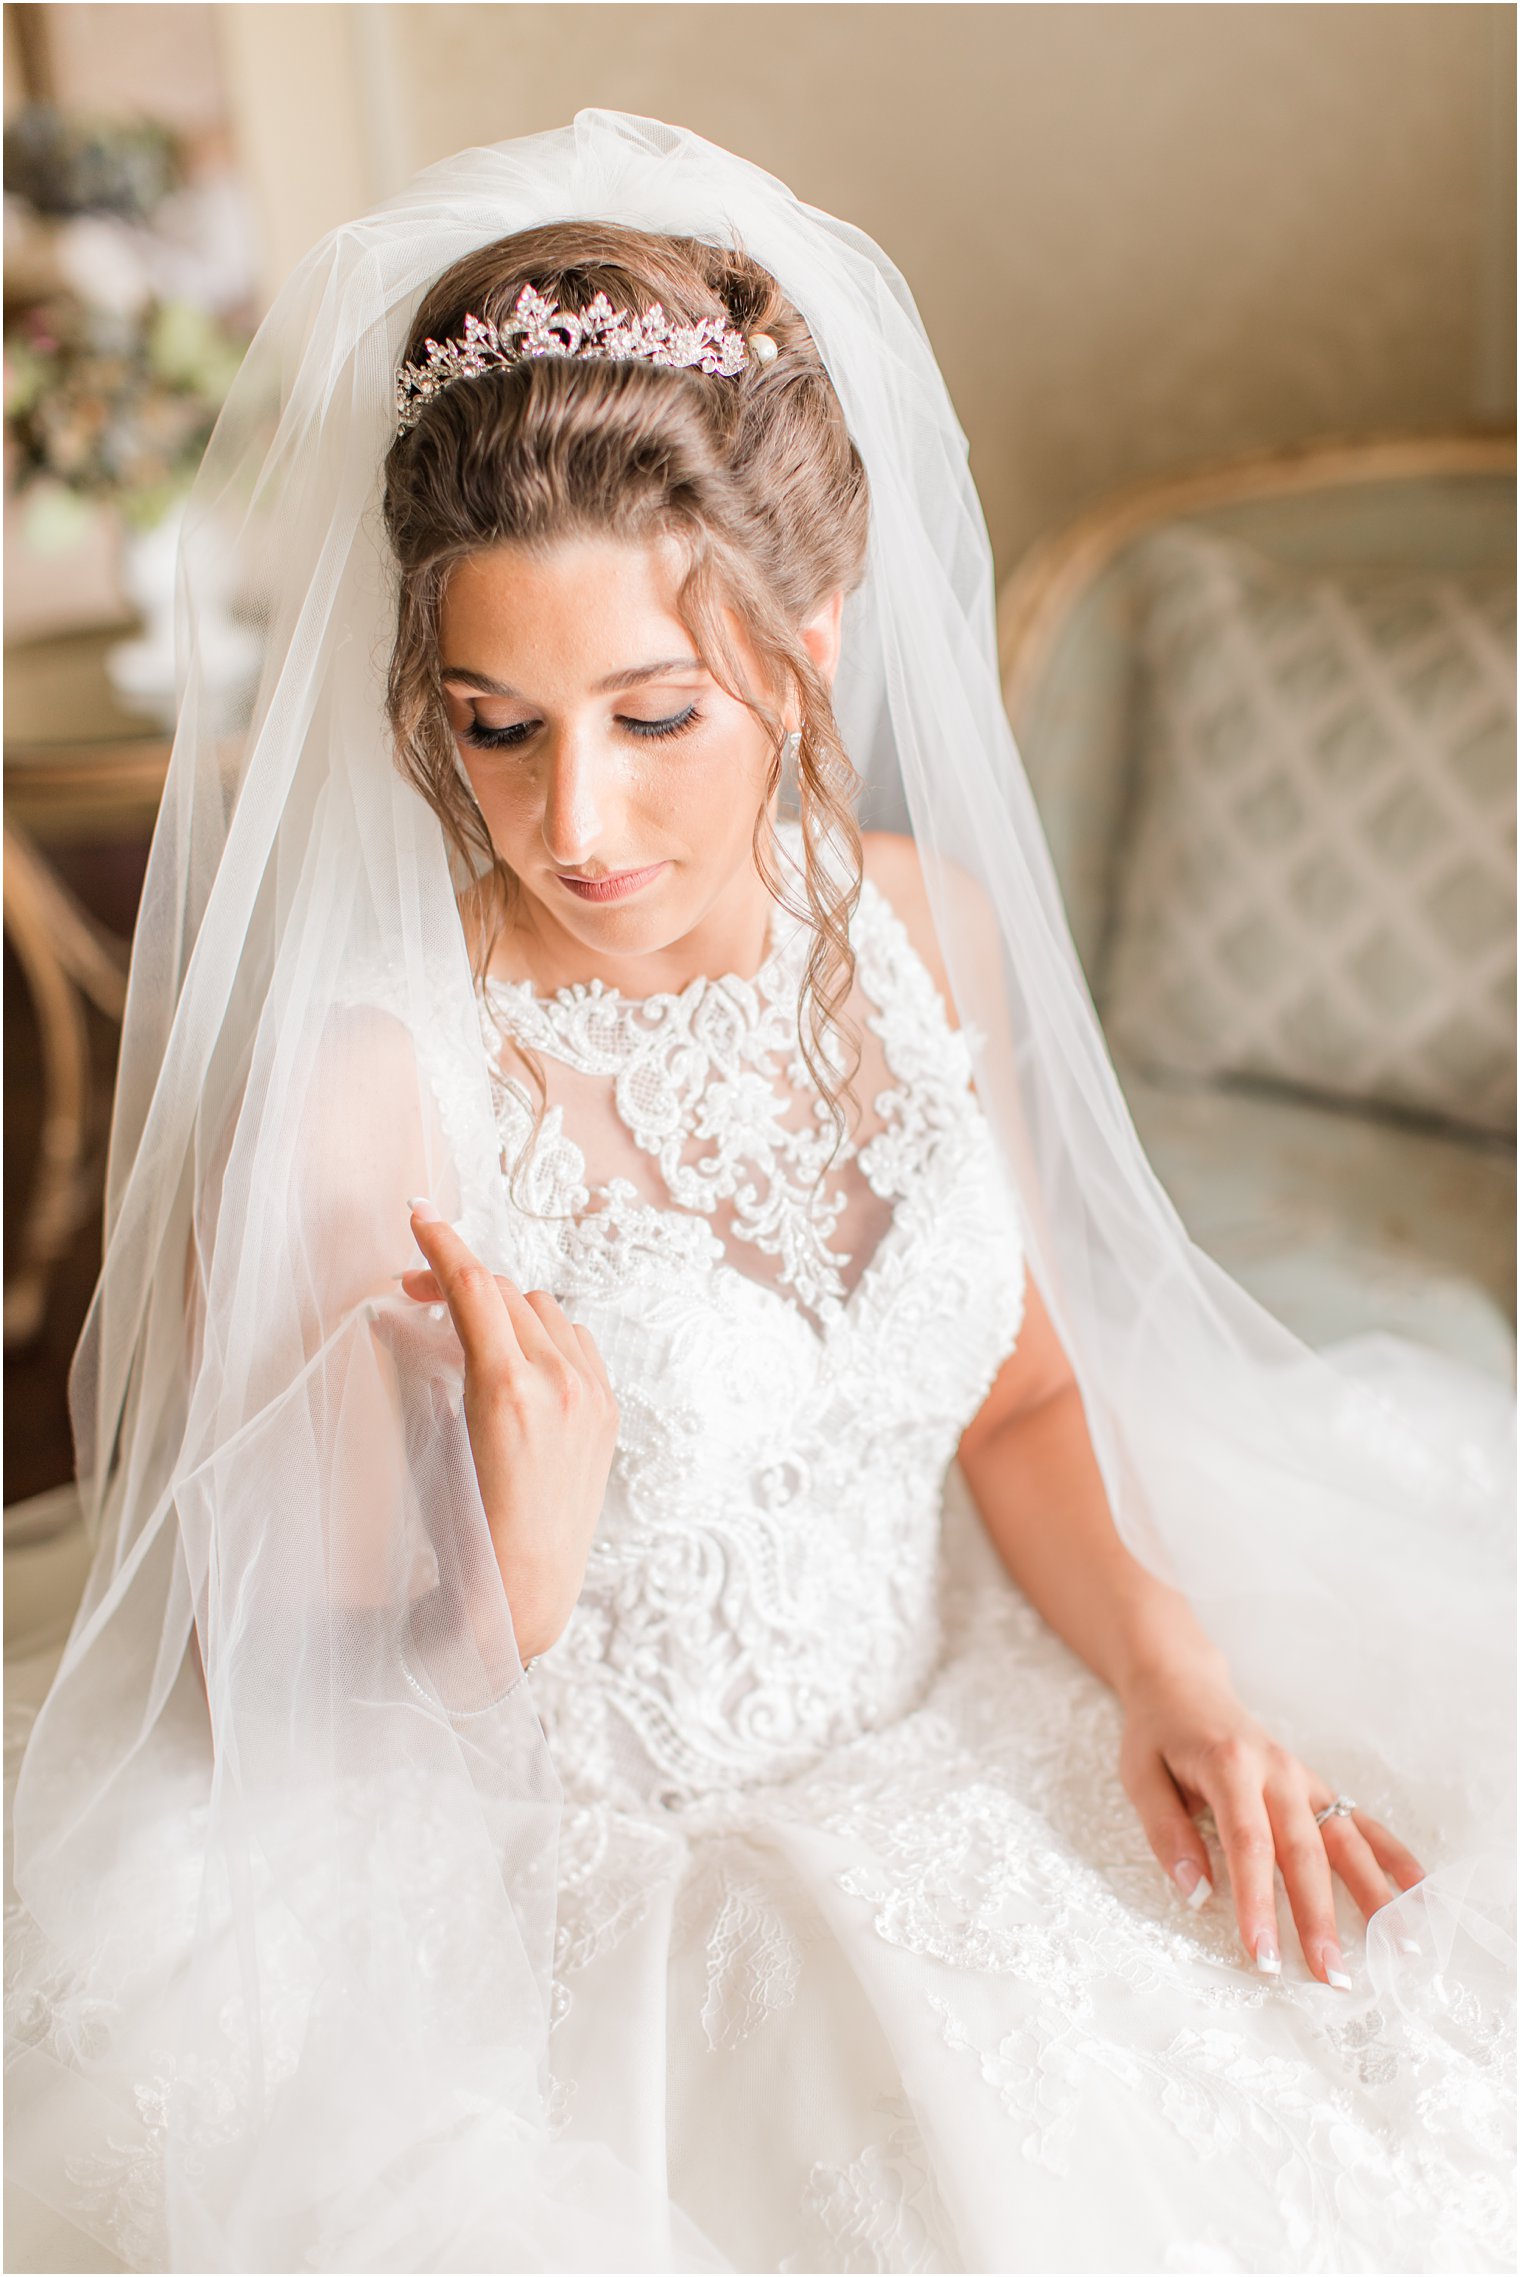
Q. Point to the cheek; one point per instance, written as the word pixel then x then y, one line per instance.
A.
pixel 706 796
pixel 729 766
pixel 509 804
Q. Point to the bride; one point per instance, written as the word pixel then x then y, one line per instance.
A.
pixel 711 1645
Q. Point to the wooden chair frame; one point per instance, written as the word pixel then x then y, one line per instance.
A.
pixel 1039 594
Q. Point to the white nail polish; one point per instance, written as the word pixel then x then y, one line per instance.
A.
pixel 436 1312
pixel 1410 1945
pixel 1335 1972
pixel 1268 1960
pixel 1202 1888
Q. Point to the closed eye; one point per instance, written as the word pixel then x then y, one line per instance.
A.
pixel 509 738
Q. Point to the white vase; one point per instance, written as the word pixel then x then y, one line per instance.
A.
pixel 142 669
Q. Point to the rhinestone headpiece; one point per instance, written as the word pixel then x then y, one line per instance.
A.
pixel 610 335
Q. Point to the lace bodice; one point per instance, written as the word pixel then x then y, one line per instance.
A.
pixel 793 1371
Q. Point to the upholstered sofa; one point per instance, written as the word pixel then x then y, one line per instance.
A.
pixel 1340 1214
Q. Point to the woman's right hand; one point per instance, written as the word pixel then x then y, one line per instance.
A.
pixel 542 1420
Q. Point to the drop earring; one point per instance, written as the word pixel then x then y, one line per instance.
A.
pixel 788 789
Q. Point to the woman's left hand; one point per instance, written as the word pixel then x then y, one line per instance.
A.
pixel 1189 1744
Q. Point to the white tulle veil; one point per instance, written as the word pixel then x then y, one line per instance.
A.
pixel 294 1992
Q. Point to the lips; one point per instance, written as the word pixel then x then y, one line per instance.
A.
pixel 616 887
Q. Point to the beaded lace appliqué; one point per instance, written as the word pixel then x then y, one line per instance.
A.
pixel 700 1066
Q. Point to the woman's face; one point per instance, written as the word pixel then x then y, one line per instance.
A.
pixel 618 781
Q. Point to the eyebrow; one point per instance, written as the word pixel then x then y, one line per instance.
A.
pixel 614 681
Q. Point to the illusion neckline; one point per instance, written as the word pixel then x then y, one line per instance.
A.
pixel 781 931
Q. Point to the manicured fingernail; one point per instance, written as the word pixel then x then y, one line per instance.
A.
pixel 421 1207
pixel 1193 1882
pixel 1410 1945
pixel 1268 1960
pixel 437 1312
pixel 1335 1968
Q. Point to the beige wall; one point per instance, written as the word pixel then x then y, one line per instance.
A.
pixel 162 59
pixel 1139 235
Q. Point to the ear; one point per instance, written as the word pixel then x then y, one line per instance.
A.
pixel 820 634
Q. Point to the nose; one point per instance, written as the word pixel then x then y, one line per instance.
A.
pixel 576 799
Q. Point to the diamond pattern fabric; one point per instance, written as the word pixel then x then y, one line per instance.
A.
pixel 1317 879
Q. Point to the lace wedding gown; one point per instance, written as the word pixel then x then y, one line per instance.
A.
pixel 861 1947
pixel 858 1930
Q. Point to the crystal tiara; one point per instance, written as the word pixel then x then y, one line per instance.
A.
pixel 609 335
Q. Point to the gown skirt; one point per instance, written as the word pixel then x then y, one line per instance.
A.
pixel 934 2005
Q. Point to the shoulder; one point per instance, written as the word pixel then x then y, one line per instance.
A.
pixel 1037 1366
pixel 891 860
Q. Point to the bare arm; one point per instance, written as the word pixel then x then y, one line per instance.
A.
pixel 1189 1743
pixel 1029 1462
pixel 399 1535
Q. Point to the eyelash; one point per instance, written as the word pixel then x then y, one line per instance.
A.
pixel 509 738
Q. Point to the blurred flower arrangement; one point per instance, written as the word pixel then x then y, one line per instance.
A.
pixel 62 163
pixel 113 406
pixel 123 324
pixel 129 281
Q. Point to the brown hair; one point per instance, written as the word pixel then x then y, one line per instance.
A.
pixel 754 475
